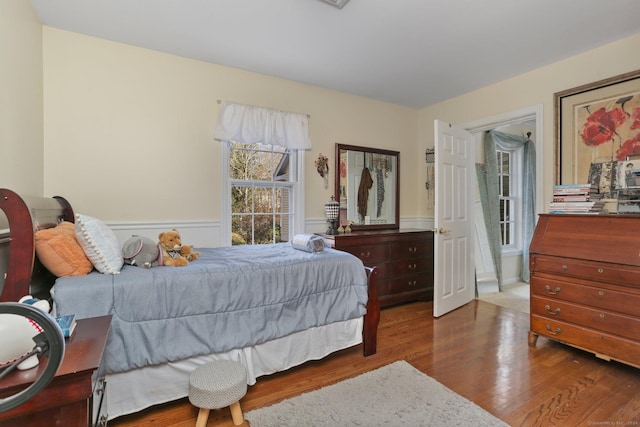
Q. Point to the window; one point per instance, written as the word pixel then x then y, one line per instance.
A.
pixel 510 197
pixel 261 187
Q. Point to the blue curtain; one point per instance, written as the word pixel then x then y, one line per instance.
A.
pixel 489 196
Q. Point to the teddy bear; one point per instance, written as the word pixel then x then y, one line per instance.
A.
pixel 174 253
pixel 141 252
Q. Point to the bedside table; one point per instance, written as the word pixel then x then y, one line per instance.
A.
pixel 68 399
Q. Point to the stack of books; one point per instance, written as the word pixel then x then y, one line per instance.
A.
pixel 67 323
pixel 576 199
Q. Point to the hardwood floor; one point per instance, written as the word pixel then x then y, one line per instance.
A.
pixel 480 351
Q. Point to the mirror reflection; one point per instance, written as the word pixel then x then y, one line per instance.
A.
pixel 367 185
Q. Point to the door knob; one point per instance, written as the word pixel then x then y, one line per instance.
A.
pixel 441 230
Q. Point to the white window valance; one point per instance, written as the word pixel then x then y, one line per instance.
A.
pixel 250 124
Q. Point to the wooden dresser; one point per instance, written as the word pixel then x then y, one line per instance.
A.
pixel 585 284
pixel 404 259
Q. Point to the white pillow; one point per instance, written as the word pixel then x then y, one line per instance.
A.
pixel 99 243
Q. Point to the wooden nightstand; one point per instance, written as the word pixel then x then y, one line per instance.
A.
pixel 68 399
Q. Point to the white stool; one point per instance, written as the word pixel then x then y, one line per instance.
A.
pixel 216 385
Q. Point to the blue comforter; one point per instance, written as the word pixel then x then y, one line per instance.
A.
pixel 231 297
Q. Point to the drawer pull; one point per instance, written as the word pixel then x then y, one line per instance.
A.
pixel 553 313
pixel 601 293
pixel 413 250
pixel 412 284
pixel 413 266
pixel 363 255
pixel 601 270
pixel 602 315
pixel 556 332
pixel 550 292
pixel 564 267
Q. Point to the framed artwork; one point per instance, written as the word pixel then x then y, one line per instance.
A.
pixel 597 126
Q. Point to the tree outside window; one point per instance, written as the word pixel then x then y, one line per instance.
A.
pixel 261 185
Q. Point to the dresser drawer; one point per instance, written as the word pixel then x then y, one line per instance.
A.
pixel 411 249
pixel 604 345
pixel 596 271
pixel 370 254
pixel 411 283
pixel 607 298
pixel 592 318
pixel 410 266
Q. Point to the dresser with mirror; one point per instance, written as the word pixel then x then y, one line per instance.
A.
pixel 367 187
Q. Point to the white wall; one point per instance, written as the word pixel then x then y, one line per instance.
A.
pixel 128 131
pixel 527 90
pixel 530 89
pixel 21 156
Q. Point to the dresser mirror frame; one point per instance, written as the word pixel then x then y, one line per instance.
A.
pixel 350 162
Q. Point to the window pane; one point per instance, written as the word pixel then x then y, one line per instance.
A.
pixel 284 221
pixel 263 166
pixel 506 187
pixel 240 161
pixel 242 226
pixel 283 200
pixel 257 161
pixel 277 226
pixel 282 171
pixel 263 200
pixel 241 199
pixel 506 162
pixel 263 229
pixel 507 234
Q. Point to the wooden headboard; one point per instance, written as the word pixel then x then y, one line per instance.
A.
pixel 20 269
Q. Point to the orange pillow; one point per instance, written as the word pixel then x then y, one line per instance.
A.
pixel 60 252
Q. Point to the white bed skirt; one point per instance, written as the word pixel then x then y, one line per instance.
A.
pixel 132 391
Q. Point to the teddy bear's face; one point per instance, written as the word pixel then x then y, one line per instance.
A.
pixel 170 240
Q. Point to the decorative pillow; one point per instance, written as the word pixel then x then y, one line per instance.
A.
pixel 99 243
pixel 60 252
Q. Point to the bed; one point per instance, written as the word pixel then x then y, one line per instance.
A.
pixel 270 307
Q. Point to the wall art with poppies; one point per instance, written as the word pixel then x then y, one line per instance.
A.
pixel 598 130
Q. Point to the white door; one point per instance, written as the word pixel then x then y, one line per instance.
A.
pixel 454 264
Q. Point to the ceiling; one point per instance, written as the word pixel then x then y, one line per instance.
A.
pixel 408 52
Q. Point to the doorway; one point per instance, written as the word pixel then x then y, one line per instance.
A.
pixel 515 293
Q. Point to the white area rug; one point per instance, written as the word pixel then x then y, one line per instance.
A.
pixel 514 296
pixel 394 395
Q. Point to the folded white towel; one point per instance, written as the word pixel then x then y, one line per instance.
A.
pixel 308 243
